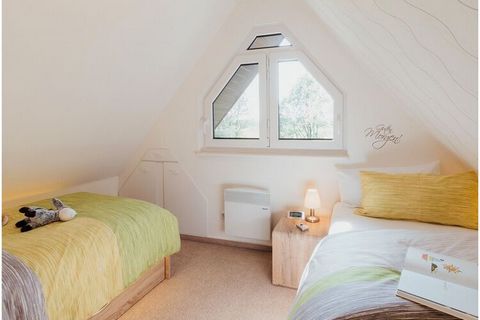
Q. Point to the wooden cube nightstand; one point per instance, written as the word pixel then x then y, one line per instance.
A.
pixel 292 248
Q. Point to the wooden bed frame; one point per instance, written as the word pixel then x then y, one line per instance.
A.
pixel 125 300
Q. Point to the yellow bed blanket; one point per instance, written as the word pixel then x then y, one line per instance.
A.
pixel 83 263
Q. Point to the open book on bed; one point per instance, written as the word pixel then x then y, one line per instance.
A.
pixel 440 282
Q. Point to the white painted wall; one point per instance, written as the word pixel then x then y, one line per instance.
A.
pixel 145 183
pixel 184 199
pixel 84 81
pixel 107 186
pixel 159 179
pixel 425 53
pixel 286 176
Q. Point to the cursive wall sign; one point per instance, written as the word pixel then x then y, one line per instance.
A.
pixel 381 135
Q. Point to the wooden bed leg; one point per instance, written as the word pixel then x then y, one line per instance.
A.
pixel 168 267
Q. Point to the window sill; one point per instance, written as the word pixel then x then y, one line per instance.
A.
pixel 215 151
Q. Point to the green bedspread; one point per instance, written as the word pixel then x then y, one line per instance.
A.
pixel 85 262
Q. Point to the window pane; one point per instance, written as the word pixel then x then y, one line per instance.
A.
pixel 305 107
pixel 236 110
pixel 269 41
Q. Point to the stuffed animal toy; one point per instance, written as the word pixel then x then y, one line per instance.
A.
pixel 36 216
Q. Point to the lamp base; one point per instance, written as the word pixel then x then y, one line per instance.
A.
pixel 312 219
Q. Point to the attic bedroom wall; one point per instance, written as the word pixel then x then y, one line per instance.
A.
pixel 425 53
pixel 286 176
pixel 84 81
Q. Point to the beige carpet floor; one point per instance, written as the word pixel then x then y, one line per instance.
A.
pixel 216 282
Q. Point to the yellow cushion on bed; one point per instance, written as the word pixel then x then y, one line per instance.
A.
pixel 450 200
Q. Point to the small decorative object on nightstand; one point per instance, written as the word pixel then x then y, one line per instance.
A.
pixel 312 202
pixel 292 248
pixel 299 215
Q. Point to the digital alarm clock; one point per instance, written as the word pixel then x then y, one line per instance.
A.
pixel 296 215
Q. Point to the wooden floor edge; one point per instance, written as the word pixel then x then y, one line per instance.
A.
pixel 229 243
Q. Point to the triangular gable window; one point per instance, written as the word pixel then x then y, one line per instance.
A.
pixel 274 98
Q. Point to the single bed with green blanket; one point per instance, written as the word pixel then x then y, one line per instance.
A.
pixel 84 263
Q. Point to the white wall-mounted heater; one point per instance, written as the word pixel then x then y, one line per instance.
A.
pixel 247 213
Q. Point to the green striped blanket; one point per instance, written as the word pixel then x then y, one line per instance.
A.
pixel 84 263
pixel 355 275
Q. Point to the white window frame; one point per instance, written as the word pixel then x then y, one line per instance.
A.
pixel 262 142
pixel 267 60
pixel 337 141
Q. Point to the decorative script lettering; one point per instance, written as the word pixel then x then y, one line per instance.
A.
pixel 381 135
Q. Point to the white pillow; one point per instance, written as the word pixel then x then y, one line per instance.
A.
pixel 351 187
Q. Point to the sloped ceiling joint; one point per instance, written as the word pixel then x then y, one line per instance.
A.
pixel 419 55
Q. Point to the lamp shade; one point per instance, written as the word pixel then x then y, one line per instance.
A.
pixel 312 199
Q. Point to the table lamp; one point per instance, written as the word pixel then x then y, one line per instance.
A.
pixel 312 202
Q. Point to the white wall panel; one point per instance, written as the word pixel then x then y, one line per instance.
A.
pixel 145 183
pixel 185 201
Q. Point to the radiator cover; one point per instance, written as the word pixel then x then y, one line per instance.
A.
pixel 247 213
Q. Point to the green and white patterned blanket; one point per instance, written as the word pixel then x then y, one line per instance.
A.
pixel 354 275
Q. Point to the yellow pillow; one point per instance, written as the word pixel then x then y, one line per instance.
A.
pixel 450 200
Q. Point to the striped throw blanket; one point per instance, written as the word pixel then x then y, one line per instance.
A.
pixel 22 292
pixel 354 275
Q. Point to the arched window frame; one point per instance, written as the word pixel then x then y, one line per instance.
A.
pixel 267 60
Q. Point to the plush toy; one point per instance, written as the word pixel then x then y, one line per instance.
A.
pixel 37 216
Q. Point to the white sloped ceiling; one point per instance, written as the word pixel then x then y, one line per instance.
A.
pixel 424 52
pixel 85 80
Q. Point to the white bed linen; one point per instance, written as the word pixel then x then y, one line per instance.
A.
pixel 386 248
pixel 377 248
pixel 344 219
pixel 357 242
